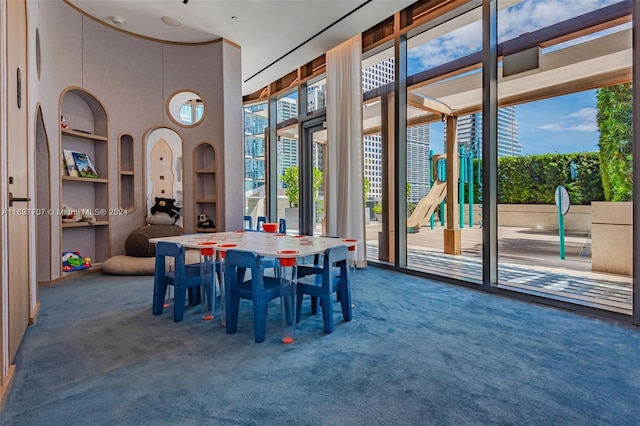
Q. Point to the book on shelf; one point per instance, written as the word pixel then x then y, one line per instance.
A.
pixel 84 165
pixel 72 170
pixel 63 165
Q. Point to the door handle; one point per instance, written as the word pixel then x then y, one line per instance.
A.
pixel 13 199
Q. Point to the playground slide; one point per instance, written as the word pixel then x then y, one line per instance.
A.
pixel 427 205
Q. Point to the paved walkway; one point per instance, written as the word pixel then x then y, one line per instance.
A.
pixel 528 261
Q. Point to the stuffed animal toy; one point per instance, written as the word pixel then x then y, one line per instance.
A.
pixel 72 261
pixel 204 222
pixel 70 214
pixel 164 212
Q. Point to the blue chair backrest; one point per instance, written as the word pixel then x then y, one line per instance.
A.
pixel 166 249
pixel 260 221
pixel 282 227
pixel 248 222
pixel 339 257
pixel 236 261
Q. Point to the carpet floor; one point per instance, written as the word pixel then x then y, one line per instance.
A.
pixel 417 352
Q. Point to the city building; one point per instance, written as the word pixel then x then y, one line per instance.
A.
pixel 470 133
pixel 418 138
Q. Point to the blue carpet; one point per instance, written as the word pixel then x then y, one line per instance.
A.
pixel 417 352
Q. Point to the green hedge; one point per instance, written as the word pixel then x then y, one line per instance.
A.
pixel 615 122
pixel 533 179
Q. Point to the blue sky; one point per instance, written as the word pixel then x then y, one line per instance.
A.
pixel 563 124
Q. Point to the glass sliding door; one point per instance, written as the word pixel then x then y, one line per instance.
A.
pixel 312 166
pixel 288 168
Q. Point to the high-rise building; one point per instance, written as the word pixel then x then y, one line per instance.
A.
pixel 287 148
pixel 470 132
pixel 255 121
pixel 418 138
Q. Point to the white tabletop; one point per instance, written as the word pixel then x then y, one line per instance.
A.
pixel 263 243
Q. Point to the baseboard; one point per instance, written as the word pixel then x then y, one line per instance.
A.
pixel 35 314
pixel 6 385
pixel 95 268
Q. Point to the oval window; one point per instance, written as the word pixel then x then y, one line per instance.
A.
pixel 186 108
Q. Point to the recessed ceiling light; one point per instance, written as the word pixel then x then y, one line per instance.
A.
pixel 171 21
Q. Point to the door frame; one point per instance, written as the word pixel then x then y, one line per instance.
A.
pixel 306 130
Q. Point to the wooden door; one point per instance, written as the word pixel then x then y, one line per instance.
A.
pixel 17 175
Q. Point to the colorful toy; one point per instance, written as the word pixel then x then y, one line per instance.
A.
pixel 204 222
pixel 72 261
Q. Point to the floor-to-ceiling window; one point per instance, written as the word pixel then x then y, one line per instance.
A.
pixel 443 215
pixel 563 81
pixel 564 153
pixel 287 168
pixel 564 120
pixel 255 123
pixel 378 75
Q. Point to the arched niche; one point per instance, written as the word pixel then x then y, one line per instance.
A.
pixel 163 166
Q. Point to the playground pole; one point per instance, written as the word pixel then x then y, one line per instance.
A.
pixel 461 178
pixel 470 172
pixel 431 219
pixel 442 176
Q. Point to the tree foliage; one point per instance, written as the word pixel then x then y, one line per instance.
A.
pixel 291 180
pixel 367 188
pixel 616 127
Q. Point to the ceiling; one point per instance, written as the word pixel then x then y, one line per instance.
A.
pixel 269 32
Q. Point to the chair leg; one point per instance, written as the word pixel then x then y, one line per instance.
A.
pixel 178 306
pixel 232 313
pixel 260 320
pixel 194 295
pixel 345 299
pixel 327 313
pixel 159 290
pixel 314 305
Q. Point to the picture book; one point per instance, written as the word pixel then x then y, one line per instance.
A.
pixel 85 165
pixel 70 162
pixel 63 165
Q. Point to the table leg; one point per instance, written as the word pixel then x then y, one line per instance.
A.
pixel 206 299
pixel 288 286
pixel 223 293
pixel 353 259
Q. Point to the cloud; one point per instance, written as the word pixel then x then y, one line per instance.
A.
pixel 531 15
pixel 520 18
pixel 582 120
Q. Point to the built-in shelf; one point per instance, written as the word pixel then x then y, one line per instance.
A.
pixel 81 224
pixel 204 183
pixel 126 188
pixel 83 179
pixel 78 134
pixel 81 110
